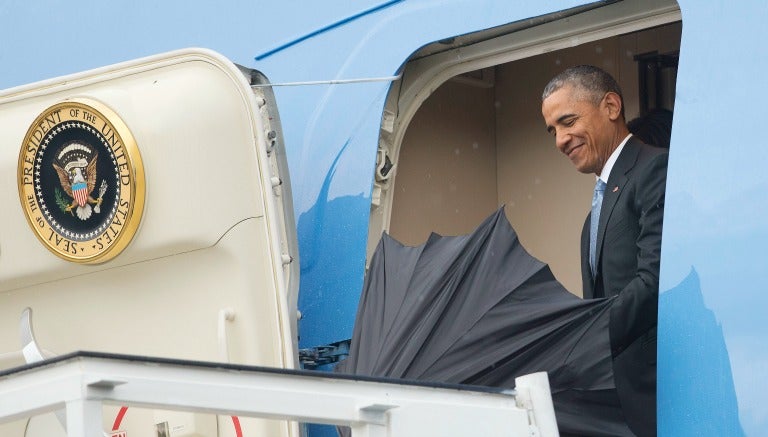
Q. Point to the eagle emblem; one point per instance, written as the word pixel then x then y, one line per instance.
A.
pixel 81 181
pixel 75 165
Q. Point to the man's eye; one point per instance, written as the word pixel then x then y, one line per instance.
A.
pixel 569 122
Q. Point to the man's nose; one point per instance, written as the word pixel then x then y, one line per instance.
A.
pixel 561 140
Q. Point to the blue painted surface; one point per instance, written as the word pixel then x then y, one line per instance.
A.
pixel 328 28
pixel 323 120
pixel 693 339
pixel 715 233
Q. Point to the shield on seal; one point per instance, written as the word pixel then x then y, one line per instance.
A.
pixel 80 193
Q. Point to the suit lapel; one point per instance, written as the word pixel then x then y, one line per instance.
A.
pixel 614 189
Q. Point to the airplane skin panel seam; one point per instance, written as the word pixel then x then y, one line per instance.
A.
pixel 327 28
pixel 119 70
pixel 98 268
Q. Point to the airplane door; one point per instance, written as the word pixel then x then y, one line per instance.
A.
pixel 148 212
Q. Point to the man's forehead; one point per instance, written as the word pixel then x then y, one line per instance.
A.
pixel 570 93
pixel 559 100
pixel 567 99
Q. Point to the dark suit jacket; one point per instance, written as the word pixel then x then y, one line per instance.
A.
pixel 628 254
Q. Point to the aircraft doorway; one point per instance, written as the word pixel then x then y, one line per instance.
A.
pixel 478 141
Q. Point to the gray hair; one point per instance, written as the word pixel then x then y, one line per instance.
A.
pixel 591 83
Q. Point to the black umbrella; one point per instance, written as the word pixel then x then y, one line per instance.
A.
pixel 479 309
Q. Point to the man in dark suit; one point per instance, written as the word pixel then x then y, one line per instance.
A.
pixel 584 109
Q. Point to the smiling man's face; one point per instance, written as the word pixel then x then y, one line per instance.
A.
pixel 583 131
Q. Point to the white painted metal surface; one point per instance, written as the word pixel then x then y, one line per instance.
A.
pixel 211 273
pixel 82 382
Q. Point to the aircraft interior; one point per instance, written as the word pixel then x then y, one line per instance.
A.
pixel 478 141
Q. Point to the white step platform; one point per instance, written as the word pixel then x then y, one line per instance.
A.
pixel 82 382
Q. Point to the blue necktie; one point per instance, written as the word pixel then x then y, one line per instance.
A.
pixel 597 203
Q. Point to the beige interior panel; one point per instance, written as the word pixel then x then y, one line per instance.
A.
pixel 470 149
pixel 446 180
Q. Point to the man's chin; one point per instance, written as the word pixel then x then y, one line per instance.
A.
pixel 587 170
pixel 582 168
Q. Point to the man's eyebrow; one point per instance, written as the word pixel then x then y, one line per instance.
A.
pixel 560 120
pixel 564 117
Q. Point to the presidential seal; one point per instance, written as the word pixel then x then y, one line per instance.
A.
pixel 81 181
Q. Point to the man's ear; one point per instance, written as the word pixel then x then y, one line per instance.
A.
pixel 612 103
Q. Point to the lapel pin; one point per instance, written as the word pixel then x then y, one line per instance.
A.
pixel 616 188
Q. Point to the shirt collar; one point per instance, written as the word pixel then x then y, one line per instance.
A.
pixel 612 160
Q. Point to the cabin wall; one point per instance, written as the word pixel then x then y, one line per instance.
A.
pixel 476 145
pixel 446 174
